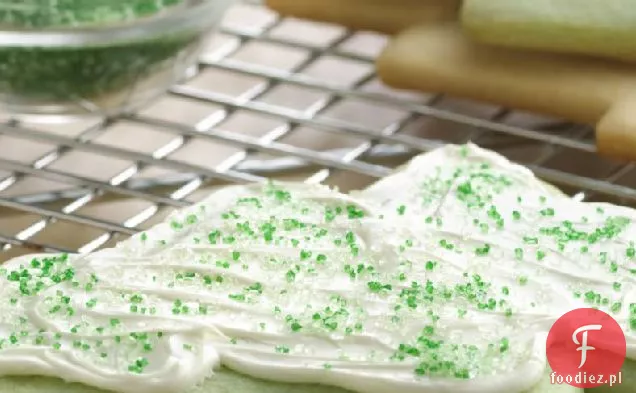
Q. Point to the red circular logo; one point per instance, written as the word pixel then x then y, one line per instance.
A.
pixel 586 348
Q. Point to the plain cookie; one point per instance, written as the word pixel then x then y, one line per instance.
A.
pixel 441 59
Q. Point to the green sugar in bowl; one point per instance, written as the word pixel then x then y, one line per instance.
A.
pixel 67 58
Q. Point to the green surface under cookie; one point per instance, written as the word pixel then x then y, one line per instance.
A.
pixel 628 381
pixel 226 381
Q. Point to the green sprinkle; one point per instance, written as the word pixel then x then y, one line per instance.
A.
pixel 375 286
pixel 138 366
pixel 213 237
pixel 445 244
pixel 401 210
pixel 549 212
pixel 223 264
pixel 504 345
pixel 282 349
pixel 239 297
pixel 353 212
pixel 483 251
pixel 256 287
pixel 191 219
pixel 136 298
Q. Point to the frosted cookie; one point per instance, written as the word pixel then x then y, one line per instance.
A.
pixel 387 16
pixel 449 286
pixel 597 92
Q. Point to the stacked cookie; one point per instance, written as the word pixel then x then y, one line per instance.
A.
pixel 563 58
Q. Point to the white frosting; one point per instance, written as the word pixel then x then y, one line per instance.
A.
pixel 271 281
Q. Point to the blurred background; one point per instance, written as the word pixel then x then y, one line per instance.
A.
pixel 269 97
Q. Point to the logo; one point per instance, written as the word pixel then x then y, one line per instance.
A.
pixel 586 348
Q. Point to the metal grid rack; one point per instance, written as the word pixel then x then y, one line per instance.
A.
pixel 271 97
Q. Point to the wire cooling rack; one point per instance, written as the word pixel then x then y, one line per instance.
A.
pixel 270 98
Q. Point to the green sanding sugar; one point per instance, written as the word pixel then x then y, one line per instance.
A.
pixel 73 13
pixel 58 74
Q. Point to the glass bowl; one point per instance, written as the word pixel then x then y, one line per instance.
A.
pixel 64 58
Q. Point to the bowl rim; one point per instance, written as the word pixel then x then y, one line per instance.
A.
pixel 194 18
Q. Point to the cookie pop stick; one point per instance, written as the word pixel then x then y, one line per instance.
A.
pixel 597 92
pixel 386 16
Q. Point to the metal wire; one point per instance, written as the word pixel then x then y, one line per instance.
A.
pixel 376 151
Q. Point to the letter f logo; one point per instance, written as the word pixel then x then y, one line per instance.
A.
pixel 583 344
